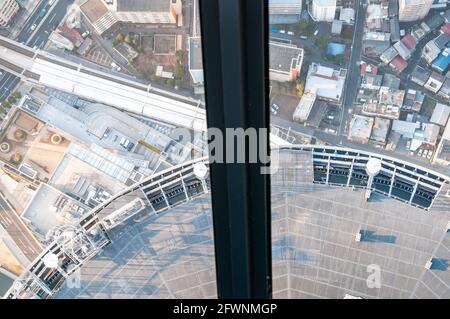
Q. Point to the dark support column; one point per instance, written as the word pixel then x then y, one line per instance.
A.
pixel 234 34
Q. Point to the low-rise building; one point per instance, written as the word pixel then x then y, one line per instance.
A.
pixel 442 154
pixel 371 81
pixel 380 131
pixel 381 110
pixel 360 128
pixel 195 60
pixel 420 75
pixel 398 64
pixel 404 128
pixel 285 61
pixel 442 62
pixel 304 107
pixel 347 15
pixel 413 100
pixel 388 55
pixel 445 89
pixel 394 29
pixel 375 43
pixel 390 96
pixel 403 50
pixel 435 82
pixel 326 83
pixel 391 81
pixel 440 114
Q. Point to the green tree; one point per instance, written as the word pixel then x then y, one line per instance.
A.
pixel 12 99
pixel 179 72
pixel 322 42
pixel 6 104
pixel 17 95
pixel 305 27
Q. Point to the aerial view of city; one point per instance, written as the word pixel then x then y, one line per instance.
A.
pixel 100 196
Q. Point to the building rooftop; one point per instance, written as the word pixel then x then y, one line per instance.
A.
pixel 420 74
pixel 143 5
pixel 326 82
pixel 440 114
pixel 360 128
pixel 284 57
pixel 94 9
pixel 391 97
pixel 398 63
pixel 391 81
pixel 380 130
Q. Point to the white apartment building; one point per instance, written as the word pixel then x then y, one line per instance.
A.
pixel 413 10
pixel 323 10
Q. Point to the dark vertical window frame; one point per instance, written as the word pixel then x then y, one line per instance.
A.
pixel 235 59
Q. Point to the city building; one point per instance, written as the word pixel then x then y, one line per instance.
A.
pixel 347 15
pixel 391 81
pixel 445 89
pixel 375 43
pixel 304 107
pixel 442 62
pixel 440 114
pixel 380 131
pixel 404 128
pixel 284 11
pixel 435 82
pixel 285 61
pixel 413 10
pixel 8 9
pixel 142 11
pixel 104 14
pixel 195 61
pixel 398 64
pixel 442 154
pixel 371 81
pixel 420 75
pixel 360 128
pixel 326 83
pixel 323 10
pixel 413 100
pixel 402 50
pixel 388 55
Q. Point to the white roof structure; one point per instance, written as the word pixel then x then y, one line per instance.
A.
pixel 304 107
pixel 326 82
pixel 440 114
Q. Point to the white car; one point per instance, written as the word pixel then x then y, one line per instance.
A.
pixel 50 2
pixel 33 27
pixel 419 153
pixel 275 107
pixel 290 33
pixel 425 153
pixel 283 31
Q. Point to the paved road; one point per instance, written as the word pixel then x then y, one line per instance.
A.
pixel 15 227
pixel 36 38
pixel 351 89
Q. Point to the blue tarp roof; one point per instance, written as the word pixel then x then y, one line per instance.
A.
pixel 442 62
pixel 335 48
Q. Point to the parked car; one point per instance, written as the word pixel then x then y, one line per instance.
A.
pixel 33 27
pixel 290 33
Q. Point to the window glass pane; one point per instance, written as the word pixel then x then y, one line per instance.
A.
pixel 360 204
pixel 104 182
